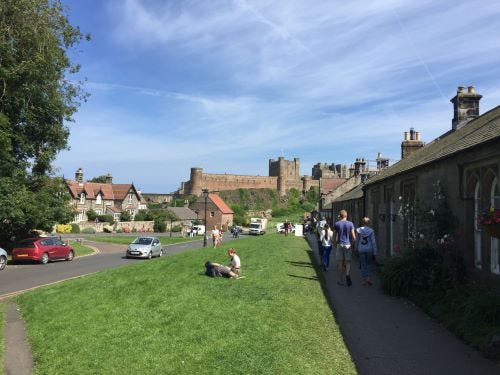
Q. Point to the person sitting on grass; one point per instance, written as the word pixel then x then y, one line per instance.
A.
pixel 213 269
pixel 235 261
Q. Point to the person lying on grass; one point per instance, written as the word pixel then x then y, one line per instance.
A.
pixel 213 269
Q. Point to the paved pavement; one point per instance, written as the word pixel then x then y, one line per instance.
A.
pixel 386 335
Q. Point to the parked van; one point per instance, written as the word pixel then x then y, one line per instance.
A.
pixel 198 229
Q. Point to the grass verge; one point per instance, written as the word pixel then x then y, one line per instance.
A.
pixel 125 240
pixel 80 249
pixel 166 316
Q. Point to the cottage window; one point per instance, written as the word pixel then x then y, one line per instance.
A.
pixel 130 198
pixel 98 211
pixel 212 214
pixel 98 199
pixel 82 198
pixel 495 203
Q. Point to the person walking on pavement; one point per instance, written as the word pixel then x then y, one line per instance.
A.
pixel 344 234
pixel 326 238
pixel 367 249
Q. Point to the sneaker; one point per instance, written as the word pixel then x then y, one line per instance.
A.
pixel 348 280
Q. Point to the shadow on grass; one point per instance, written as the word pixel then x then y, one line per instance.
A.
pixel 314 278
pixel 300 264
pixel 320 276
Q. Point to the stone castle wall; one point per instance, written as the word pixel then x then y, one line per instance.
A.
pixel 283 176
pixel 222 182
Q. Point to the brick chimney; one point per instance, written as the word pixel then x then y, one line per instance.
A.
pixel 465 106
pixel 411 143
pixel 79 175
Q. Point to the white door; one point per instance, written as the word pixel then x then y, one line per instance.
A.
pixel 494 202
pixel 477 229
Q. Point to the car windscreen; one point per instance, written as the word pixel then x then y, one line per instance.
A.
pixel 26 244
pixel 254 225
pixel 142 241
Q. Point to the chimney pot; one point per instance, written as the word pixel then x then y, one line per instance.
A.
pixel 406 136
pixel 460 89
pixel 471 90
pixel 418 136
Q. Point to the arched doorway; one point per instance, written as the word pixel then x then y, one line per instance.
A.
pixel 477 229
pixel 495 203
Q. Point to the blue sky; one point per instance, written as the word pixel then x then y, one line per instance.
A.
pixel 227 85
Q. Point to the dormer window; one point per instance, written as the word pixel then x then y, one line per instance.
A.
pixel 98 199
pixel 82 198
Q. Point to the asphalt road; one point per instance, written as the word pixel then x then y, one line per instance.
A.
pixel 21 277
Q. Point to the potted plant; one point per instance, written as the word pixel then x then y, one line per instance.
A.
pixel 490 221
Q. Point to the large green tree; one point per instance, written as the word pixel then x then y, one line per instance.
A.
pixel 37 96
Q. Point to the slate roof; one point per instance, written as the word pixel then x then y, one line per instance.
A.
pixel 330 184
pixel 183 213
pixel 480 130
pixel 221 205
pixel 354 193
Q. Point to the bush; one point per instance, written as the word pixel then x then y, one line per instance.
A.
pixel 125 216
pixel 106 219
pixel 435 280
pixel 88 230
pixel 159 225
pixel 91 215
pixel 422 270
pixel 63 228
pixel 75 228
pixel 120 230
pixel 134 230
pixel 176 228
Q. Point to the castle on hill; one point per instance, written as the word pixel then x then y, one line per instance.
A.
pixel 283 176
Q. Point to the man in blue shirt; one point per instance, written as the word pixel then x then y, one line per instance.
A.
pixel 343 234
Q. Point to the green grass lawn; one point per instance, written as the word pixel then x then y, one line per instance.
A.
pixel 80 249
pixel 125 240
pixel 166 316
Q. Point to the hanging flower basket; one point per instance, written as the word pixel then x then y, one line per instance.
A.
pixel 493 230
pixel 490 222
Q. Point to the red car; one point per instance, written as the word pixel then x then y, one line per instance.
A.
pixel 42 249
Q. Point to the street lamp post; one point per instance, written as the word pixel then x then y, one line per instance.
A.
pixel 205 194
pixel 197 212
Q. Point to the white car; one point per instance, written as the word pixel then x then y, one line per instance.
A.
pixel 3 259
pixel 145 247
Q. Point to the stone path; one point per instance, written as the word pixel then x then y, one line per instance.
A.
pixel 17 357
pixel 386 335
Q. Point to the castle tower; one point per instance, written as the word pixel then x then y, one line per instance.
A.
pixel 465 106
pixel 195 182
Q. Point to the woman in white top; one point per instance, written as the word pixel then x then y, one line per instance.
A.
pixel 235 261
pixel 326 238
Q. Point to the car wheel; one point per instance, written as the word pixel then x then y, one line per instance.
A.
pixel 161 253
pixel 3 262
pixel 150 255
pixel 70 256
pixel 45 258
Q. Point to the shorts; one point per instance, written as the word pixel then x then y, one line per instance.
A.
pixel 343 253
